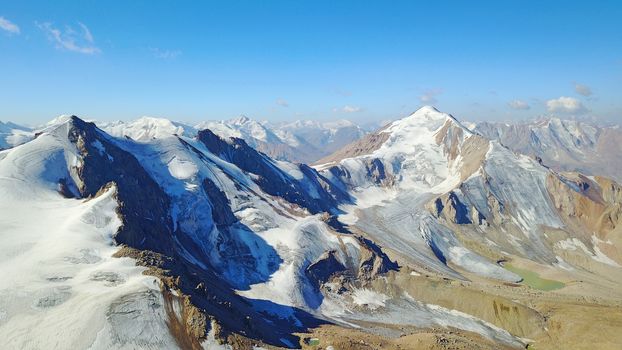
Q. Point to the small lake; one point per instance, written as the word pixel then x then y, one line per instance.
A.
pixel 534 280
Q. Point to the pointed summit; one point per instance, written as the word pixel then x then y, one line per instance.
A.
pixel 425 109
pixel 242 119
pixel 147 128
pixel 426 117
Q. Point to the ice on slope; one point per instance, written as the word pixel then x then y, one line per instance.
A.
pixel 403 310
pixel 574 244
pixel 40 164
pixel 411 153
pixel 300 243
pixel 519 184
pixel 63 288
pixel 422 170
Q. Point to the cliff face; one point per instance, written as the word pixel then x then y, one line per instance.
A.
pixel 592 210
pixel 143 205
pixel 310 191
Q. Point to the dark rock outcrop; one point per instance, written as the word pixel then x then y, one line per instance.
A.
pixel 143 205
pixel 374 261
pixel 221 211
pixel 325 267
pixel 272 179
pixel 450 206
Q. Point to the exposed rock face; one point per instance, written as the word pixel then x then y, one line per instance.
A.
pixel 148 233
pixel 374 261
pixel 143 204
pixel 324 268
pixel 375 171
pixel 206 296
pixel 366 145
pixel 590 206
pixel 272 179
pixel 205 266
pixel 456 211
pixel 221 227
pixel 221 211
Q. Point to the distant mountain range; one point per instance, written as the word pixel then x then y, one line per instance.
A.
pixel 300 141
pixel 154 234
pixel 563 144
pixel 569 145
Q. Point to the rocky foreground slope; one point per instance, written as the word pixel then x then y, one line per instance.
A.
pixel 421 231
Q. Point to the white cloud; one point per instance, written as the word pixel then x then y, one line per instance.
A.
pixel 583 90
pixel 165 54
pixel 69 39
pixel 519 105
pixel 565 105
pixel 86 32
pixel 281 102
pixel 8 26
pixel 429 96
pixel 350 109
pixel 347 109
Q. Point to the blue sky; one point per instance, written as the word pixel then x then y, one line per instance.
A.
pixel 285 60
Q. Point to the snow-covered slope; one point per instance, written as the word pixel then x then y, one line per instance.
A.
pixel 170 196
pixel 568 145
pixel 147 128
pixel 63 288
pixel 229 241
pixel 12 135
pixel 425 186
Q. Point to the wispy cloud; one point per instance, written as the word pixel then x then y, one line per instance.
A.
pixel 69 39
pixel 348 109
pixel 565 105
pixel 429 96
pixel 165 54
pixel 9 26
pixel 519 105
pixel 583 90
pixel 281 102
pixel 343 93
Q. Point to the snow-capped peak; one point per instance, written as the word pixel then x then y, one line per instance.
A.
pixel 242 119
pixel 427 117
pixel 61 119
pixel 147 128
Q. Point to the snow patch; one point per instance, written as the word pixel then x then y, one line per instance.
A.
pixel 369 298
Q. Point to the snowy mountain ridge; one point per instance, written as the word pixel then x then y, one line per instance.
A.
pixel 406 176
pixel 167 236
pixel 568 145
